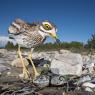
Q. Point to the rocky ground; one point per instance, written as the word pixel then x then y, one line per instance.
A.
pixel 61 73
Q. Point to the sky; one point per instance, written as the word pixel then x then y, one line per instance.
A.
pixel 75 19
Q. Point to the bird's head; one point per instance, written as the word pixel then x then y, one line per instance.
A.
pixel 48 29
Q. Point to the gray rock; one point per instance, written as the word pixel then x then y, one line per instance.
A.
pixel 43 61
pixel 62 51
pixel 85 58
pixel 89 67
pixel 57 80
pixel 3 51
pixel 88 86
pixel 84 79
pixel 41 81
pixel 17 62
pixel 67 64
pixel 85 71
pixel 4 68
pixel 2 61
pixel 46 55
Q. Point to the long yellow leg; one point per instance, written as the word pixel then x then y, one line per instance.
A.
pixel 34 68
pixel 25 71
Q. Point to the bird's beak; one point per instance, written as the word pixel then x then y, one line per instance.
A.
pixel 53 35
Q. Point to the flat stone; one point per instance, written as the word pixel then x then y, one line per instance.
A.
pixel 84 79
pixel 88 86
pixel 4 68
pixel 42 81
pixel 2 61
pixel 67 64
pixel 57 80
pixel 46 55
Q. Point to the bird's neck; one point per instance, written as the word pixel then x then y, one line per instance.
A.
pixel 44 35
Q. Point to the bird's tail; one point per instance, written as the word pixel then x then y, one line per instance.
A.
pixel 4 41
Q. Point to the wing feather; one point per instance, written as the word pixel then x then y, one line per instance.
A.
pixel 18 26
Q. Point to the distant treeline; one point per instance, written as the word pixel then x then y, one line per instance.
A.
pixel 73 46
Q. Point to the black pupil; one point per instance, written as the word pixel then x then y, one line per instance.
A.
pixel 47 26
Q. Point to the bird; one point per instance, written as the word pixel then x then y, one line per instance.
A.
pixel 30 35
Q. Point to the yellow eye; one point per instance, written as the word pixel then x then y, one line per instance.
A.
pixel 47 27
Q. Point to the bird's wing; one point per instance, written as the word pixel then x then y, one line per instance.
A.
pixel 18 26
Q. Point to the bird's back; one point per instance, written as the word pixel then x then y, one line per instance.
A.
pixel 25 34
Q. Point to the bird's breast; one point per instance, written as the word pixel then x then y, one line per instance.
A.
pixel 32 39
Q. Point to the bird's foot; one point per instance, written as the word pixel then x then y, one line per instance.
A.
pixel 35 75
pixel 25 74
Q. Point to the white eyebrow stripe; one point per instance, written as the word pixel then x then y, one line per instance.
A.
pixel 47 23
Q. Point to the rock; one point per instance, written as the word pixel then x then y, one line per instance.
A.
pixel 21 75
pixel 46 55
pixel 88 86
pixel 2 61
pixel 17 62
pixel 67 63
pixel 57 80
pixel 4 68
pixel 90 68
pixel 41 81
pixel 64 93
pixel 85 58
pixel 40 62
pixel 62 51
pixel 53 91
pixel 8 73
pixel 84 79
pixel 3 51
pixel 85 71
pixel 88 89
pixel 43 62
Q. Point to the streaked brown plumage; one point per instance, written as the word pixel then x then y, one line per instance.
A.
pixel 26 35
pixel 30 35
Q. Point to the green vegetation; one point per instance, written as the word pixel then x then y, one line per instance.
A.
pixel 10 46
pixel 91 42
pixel 62 45
pixel 73 46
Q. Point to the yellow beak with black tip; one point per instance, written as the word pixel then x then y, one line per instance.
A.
pixel 53 35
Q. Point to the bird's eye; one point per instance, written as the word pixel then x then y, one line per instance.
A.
pixel 47 27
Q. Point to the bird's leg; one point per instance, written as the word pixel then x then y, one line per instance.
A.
pixel 34 68
pixel 25 71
